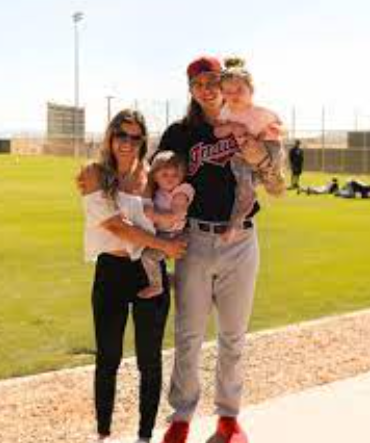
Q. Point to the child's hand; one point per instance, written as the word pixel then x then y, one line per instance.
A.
pixel 149 212
pixel 172 218
pixel 88 179
pixel 273 132
pixel 226 129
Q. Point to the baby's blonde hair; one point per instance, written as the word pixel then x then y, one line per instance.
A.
pixel 235 68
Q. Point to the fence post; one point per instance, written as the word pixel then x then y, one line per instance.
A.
pixel 364 150
pixel 323 140
pixel 293 124
pixel 167 113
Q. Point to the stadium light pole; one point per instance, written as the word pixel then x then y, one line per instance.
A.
pixel 356 119
pixel 293 123
pixel 77 17
pixel 323 137
pixel 109 106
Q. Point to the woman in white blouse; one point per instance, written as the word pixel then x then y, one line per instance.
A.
pixel 116 232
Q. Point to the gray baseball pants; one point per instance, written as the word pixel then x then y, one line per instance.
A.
pixel 223 275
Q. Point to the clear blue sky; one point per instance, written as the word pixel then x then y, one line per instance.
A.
pixel 301 53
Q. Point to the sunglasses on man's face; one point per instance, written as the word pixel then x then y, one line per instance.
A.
pixel 209 83
pixel 125 137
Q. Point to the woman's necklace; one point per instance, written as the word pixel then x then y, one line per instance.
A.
pixel 125 181
pixel 131 181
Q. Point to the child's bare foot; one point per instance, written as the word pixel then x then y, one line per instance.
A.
pixel 150 292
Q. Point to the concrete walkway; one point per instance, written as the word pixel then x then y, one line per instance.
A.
pixel 334 413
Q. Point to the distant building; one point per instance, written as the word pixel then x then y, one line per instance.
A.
pixel 5 146
pixel 358 140
pixel 65 130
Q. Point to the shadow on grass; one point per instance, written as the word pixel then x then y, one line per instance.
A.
pixel 81 351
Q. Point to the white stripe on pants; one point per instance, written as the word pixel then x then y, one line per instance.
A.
pixel 212 273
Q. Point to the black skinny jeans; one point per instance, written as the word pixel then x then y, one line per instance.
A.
pixel 117 282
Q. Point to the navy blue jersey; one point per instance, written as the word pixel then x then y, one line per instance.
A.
pixel 208 169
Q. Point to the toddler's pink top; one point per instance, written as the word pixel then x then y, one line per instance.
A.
pixel 261 122
pixel 163 201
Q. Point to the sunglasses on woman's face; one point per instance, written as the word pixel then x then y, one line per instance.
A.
pixel 125 137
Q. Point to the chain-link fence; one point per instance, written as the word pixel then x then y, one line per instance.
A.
pixel 327 148
pixel 333 140
pixel 340 151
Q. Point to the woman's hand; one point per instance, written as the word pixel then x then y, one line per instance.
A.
pixel 88 179
pixel 174 248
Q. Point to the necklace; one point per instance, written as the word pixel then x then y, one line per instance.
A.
pixel 125 181
pixel 131 181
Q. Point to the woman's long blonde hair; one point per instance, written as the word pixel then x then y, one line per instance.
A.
pixel 108 168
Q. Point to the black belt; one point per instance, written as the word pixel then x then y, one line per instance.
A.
pixel 215 228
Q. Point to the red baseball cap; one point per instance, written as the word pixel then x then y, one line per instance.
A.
pixel 203 64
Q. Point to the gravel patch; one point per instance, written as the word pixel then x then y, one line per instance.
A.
pixel 57 407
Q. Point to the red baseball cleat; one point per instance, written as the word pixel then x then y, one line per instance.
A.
pixel 177 432
pixel 228 431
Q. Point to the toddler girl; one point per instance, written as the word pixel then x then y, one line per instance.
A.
pixel 242 118
pixel 171 198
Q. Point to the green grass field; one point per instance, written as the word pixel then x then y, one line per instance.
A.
pixel 315 262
